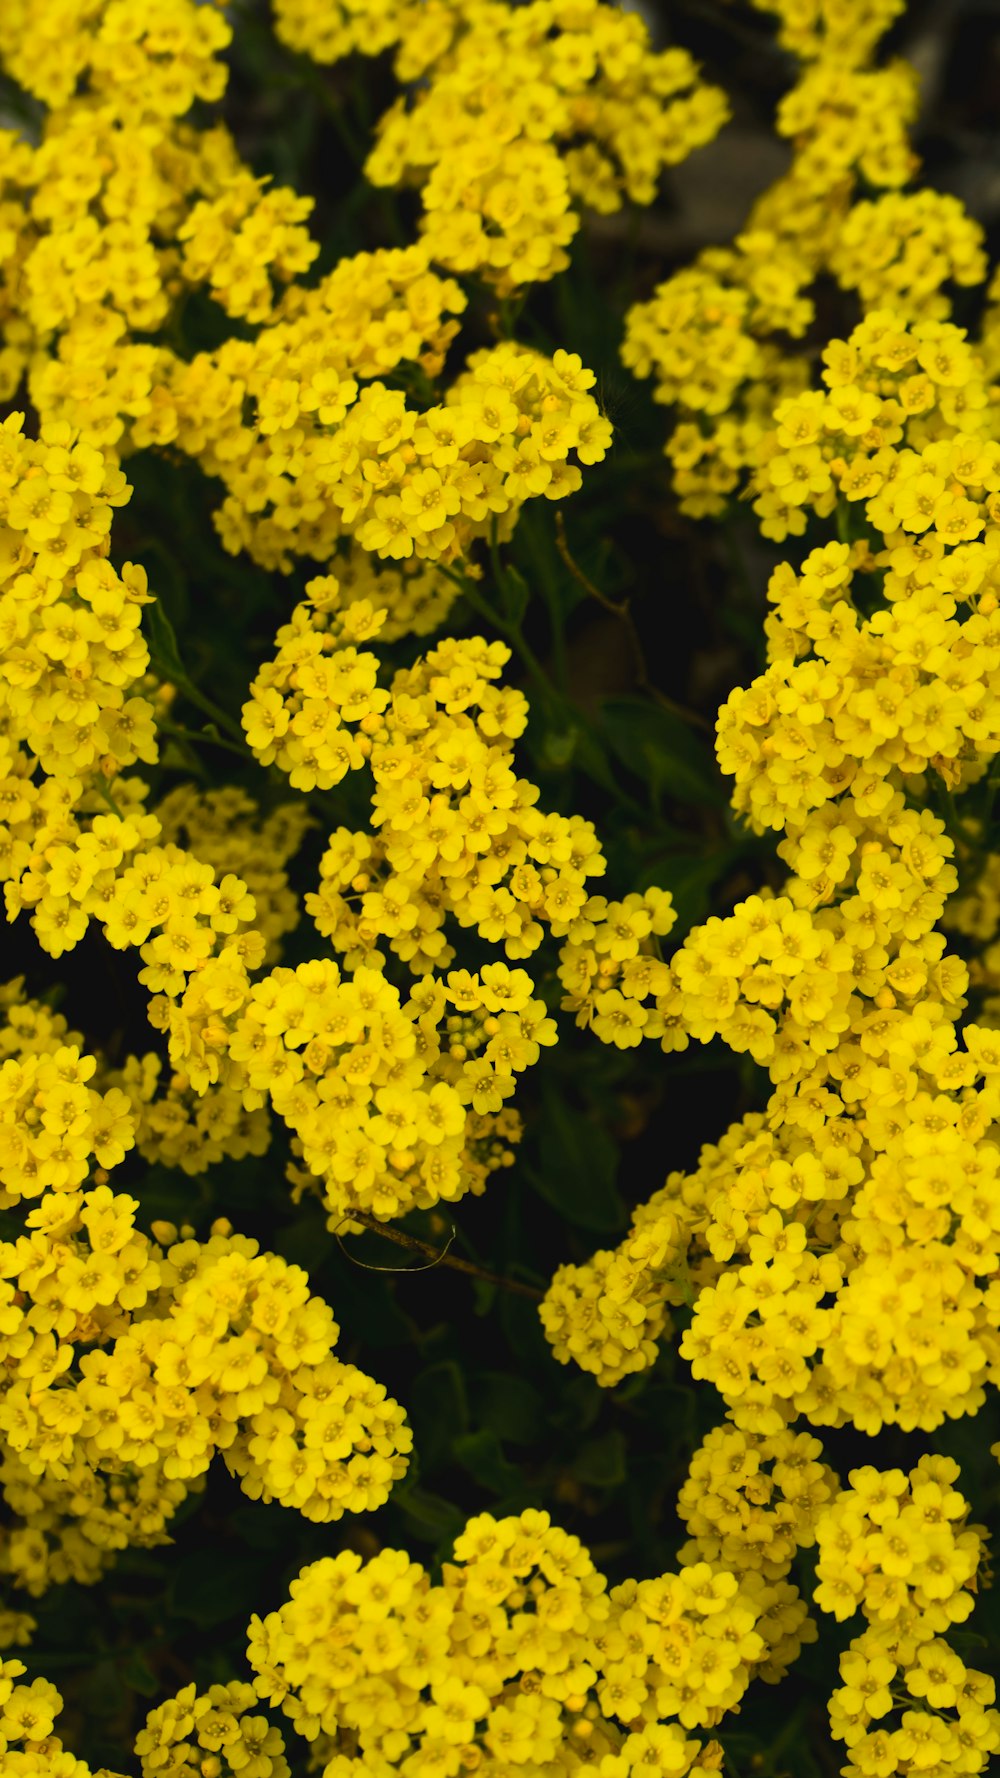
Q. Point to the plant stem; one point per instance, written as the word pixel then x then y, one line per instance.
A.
pixel 623 613
pixel 513 632
pixel 438 1256
pixel 211 709
pixel 190 734
pixel 103 791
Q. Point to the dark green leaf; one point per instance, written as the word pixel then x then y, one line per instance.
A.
pixel 137 1673
pixel 601 1463
pixel 660 747
pixel 481 1454
pixel 163 642
pixel 578 1161
pixel 438 1409
pixel 516 594
pixel 510 1406
pixel 431 1518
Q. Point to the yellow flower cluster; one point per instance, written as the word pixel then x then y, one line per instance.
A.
pixel 335 451
pixel 530 111
pixel 899 1547
pixel 219 1732
pixel 394 1100
pixel 327 33
pixel 156 56
pixel 750 1503
pixel 127 1363
pixel 520 1659
pixel 70 623
pixel 609 1314
pixel 899 250
pixel 28 1713
pixel 910 1704
pixel 715 336
pixel 901 403
pixel 230 1353
pixel 841 1248
pixel 121 207
pixel 527 113
pixel 847 30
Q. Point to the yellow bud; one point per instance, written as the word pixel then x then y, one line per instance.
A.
pixel 163 1232
pixel 221 1226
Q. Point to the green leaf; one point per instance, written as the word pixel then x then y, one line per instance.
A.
pixel 510 1406
pixel 601 1463
pixel 431 1518
pixel 578 1162
pixel 102 1689
pixel 481 1454
pixel 516 594
pixel 137 1673
pixel 522 1329
pixel 659 747
pixel 558 747
pixel 689 876
pixel 163 642
pixel 437 1408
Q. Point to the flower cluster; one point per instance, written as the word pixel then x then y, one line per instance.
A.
pixel 520 1658
pixel 129 1362
pixel 530 111
pixel 395 1099
pixel 220 1731
pixel 833 1257
pixel 841 1248
pixel 750 1503
pixel 27 1716
pixel 334 450
pixel 718 337
pixel 898 1547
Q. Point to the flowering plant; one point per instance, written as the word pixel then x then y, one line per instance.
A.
pixel 378 901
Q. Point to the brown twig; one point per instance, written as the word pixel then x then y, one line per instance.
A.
pixel 624 614
pixel 436 1256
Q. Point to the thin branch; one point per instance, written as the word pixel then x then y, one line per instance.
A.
pixel 189 734
pixel 512 631
pixel 103 791
pixel 436 1256
pixel 624 614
